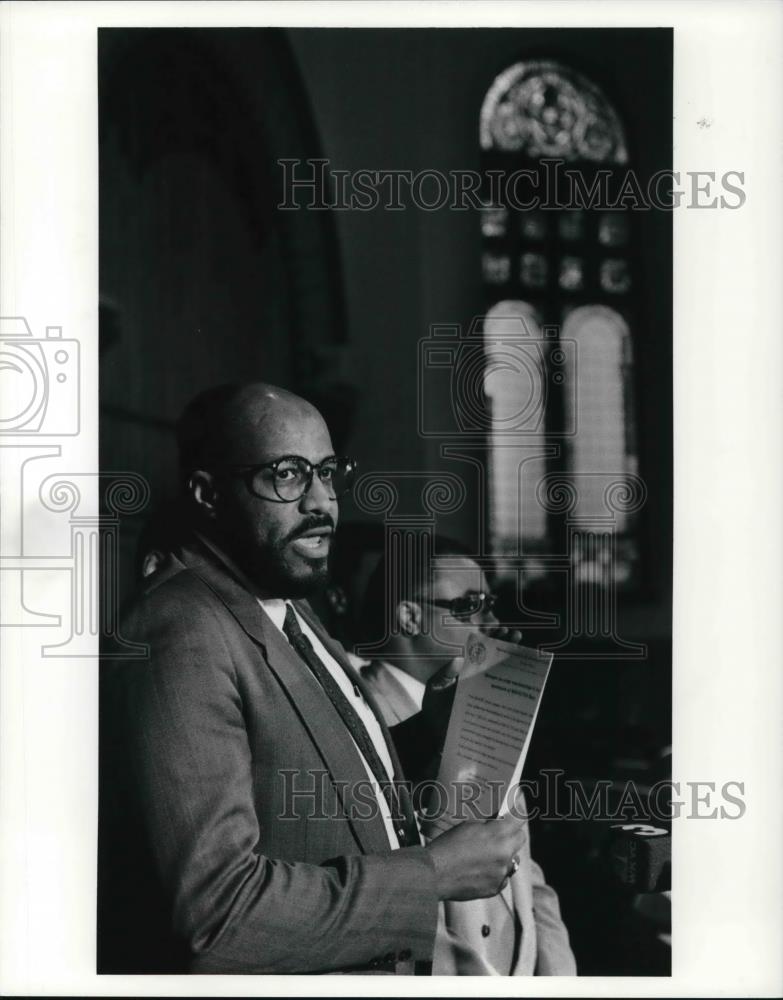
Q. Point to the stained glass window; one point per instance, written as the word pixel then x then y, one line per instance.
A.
pixel 567 270
pixel 600 410
pixel 515 385
pixel 497 268
pixel 533 270
pixel 534 225
pixel 615 276
pixel 545 109
pixel 571 274
pixel 494 221
pixel 571 224
pixel 613 229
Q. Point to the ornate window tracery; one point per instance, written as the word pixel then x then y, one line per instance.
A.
pixel 542 109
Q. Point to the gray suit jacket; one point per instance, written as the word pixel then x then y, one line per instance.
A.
pixel 227 841
pixel 519 932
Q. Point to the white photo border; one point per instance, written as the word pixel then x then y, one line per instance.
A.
pixel 728 695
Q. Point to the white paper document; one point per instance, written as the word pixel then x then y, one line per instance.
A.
pixel 495 708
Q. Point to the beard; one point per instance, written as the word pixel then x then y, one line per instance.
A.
pixel 277 570
pixel 277 578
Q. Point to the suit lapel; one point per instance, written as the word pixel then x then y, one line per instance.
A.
pixel 308 699
pixel 229 584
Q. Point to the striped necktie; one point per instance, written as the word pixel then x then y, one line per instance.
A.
pixel 398 799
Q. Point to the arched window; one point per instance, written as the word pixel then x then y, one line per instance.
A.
pixel 545 109
pixel 514 384
pixel 558 261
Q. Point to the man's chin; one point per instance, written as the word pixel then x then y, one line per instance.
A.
pixel 290 576
pixel 304 581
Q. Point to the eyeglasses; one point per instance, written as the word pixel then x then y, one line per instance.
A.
pixel 476 602
pixel 288 478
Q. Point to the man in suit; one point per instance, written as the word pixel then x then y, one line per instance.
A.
pixel 416 615
pixel 248 821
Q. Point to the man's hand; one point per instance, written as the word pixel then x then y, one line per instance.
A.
pixel 475 859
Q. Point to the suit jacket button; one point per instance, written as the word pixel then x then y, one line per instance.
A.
pixel 485 929
pixel 405 954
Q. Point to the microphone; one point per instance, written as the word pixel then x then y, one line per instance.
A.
pixel 640 856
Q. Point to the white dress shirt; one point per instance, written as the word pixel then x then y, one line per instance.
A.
pixel 276 609
pixel 412 685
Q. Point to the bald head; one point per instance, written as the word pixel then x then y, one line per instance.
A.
pixel 243 424
pixel 232 441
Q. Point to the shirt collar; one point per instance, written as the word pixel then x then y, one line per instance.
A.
pixel 413 687
pixel 275 608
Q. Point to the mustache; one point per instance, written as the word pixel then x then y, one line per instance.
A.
pixel 325 521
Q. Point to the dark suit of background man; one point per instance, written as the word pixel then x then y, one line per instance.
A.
pixel 207 862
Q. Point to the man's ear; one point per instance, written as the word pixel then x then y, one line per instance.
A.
pixel 203 491
pixel 409 618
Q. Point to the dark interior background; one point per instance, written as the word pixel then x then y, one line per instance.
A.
pixel 203 280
